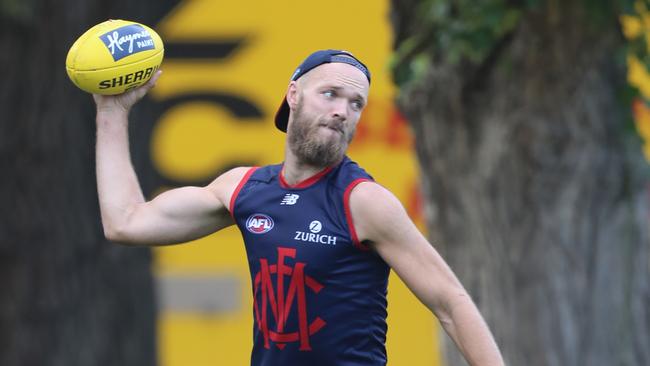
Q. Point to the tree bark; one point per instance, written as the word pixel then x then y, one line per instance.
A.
pixel 535 191
pixel 68 297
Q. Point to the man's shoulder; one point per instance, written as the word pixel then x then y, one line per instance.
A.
pixel 228 185
pixel 227 181
pixel 373 209
pixel 241 175
pixel 266 173
pixel 349 173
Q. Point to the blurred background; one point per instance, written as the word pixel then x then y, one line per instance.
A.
pixel 513 132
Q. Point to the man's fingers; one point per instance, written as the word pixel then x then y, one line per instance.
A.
pixel 144 89
pixel 152 82
pixel 126 100
pixel 155 76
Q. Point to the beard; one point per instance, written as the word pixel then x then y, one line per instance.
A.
pixel 310 146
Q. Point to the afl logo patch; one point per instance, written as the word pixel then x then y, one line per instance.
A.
pixel 259 223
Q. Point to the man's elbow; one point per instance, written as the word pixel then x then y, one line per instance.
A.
pixel 117 234
pixel 449 301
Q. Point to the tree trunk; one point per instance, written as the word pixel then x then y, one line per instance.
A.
pixel 68 296
pixel 534 188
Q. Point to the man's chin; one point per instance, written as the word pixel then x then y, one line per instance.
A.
pixel 322 159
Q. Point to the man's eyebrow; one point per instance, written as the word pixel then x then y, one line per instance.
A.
pixel 338 87
pixel 359 97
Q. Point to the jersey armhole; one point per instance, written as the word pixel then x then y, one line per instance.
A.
pixel 348 213
pixel 235 193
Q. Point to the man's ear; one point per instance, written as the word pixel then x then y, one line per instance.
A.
pixel 292 95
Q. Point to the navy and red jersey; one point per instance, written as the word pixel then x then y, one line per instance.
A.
pixel 319 294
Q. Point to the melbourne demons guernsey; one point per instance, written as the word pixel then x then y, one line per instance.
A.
pixel 319 294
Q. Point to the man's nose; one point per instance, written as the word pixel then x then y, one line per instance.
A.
pixel 340 109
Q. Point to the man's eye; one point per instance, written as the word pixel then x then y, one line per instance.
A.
pixel 357 105
pixel 328 93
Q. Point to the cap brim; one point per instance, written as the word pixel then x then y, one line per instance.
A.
pixel 282 116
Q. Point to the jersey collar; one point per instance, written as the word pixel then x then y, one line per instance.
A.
pixel 303 183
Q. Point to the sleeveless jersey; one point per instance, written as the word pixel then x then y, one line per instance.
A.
pixel 319 294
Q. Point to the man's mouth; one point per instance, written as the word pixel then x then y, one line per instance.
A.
pixel 332 127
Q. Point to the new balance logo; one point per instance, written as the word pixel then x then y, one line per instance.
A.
pixel 290 199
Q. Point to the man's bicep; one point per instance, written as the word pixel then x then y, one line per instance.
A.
pixel 175 216
pixel 203 208
pixel 189 205
pixel 182 214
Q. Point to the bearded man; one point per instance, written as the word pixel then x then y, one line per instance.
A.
pixel 321 236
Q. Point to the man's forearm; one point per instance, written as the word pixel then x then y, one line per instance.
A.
pixel 471 334
pixel 117 183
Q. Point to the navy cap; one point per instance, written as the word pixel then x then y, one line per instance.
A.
pixel 316 59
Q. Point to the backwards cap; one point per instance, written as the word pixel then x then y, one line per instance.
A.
pixel 316 59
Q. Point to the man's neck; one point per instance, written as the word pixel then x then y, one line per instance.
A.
pixel 295 171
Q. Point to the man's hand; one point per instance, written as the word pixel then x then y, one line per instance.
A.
pixel 123 102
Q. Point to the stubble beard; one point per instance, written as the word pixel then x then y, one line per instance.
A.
pixel 310 147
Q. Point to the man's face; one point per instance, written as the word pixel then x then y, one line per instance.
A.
pixel 325 108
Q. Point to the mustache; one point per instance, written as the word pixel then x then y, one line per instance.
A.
pixel 333 124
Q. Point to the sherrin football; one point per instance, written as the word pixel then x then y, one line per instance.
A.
pixel 114 56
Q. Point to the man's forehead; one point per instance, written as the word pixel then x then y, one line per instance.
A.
pixel 337 72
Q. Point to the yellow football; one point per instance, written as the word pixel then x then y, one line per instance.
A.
pixel 114 56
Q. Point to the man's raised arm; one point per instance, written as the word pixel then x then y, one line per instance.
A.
pixel 174 216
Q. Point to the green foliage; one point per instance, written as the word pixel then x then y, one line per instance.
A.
pixel 637 31
pixel 454 30
pixel 636 28
pixel 467 31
